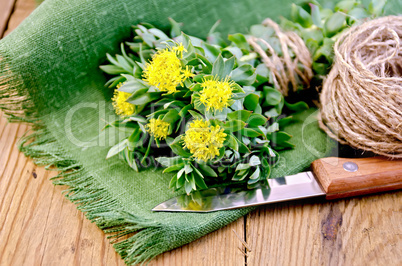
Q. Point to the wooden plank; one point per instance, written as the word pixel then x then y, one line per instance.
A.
pixel 217 248
pixel 39 226
pixel 7 8
pixel 22 9
pixel 358 231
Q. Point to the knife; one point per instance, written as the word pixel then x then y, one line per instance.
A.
pixel 331 177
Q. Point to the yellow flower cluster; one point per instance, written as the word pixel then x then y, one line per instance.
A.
pixel 121 107
pixel 203 140
pixel 216 94
pixel 165 70
pixel 158 128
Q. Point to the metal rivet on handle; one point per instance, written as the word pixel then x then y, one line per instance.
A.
pixel 350 167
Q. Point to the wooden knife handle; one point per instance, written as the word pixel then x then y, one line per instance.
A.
pixel 341 178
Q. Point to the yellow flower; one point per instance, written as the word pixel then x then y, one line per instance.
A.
pixel 158 128
pixel 121 107
pixel 165 71
pixel 203 140
pixel 187 73
pixel 179 49
pixel 216 94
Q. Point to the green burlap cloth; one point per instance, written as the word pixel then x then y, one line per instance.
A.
pixel 49 77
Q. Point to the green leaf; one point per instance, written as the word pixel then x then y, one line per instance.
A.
pixel 112 60
pixel 151 139
pixel 171 116
pixel 144 98
pixel 196 87
pixel 272 96
pixel 199 78
pixel 124 64
pixel 239 40
pixel 244 75
pixel 188 187
pixel 186 41
pixel 301 16
pixel 117 148
pixel 207 67
pixel 248 132
pixel 133 140
pixel 357 13
pixel 256 120
pixel 207 170
pixel 254 160
pixel 232 142
pixel 185 110
pixel 199 181
pixel 258 109
pixel 242 115
pixel 237 89
pixel 113 82
pixel 169 161
pixel 242 147
pixel 315 15
pixel 188 169
pixel 251 101
pixel 334 24
pixel 285 121
pixel 376 7
pixel 234 125
pixel 177 148
pixel 297 107
pixel 196 115
pixel 345 5
pixel 138 119
pixel 211 51
pixel 180 181
pixel 242 166
pixel 172 168
pixel 234 51
pixel 175 28
pixel 240 176
pixel 112 70
pixel 281 136
pixel 229 63
pixel 173 182
pixel 192 181
pixel 256 174
pixel 273 128
pixel 132 86
pixel 325 51
pixel 218 67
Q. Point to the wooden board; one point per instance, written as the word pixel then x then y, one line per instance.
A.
pixel 38 226
pixel 7 8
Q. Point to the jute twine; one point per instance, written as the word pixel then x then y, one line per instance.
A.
pixel 293 67
pixel 362 96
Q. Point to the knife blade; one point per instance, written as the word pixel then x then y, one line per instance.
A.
pixel 330 177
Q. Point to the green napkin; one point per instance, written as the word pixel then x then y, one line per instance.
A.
pixel 49 77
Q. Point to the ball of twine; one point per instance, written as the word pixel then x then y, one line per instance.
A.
pixel 361 99
pixel 290 69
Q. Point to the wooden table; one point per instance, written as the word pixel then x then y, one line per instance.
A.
pixel 38 226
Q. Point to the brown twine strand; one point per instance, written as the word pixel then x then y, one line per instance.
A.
pixel 285 70
pixel 361 100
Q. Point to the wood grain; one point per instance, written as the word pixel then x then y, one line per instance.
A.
pixel 374 174
pixel 22 8
pixel 358 231
pixel 38 226
pixel 7 8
